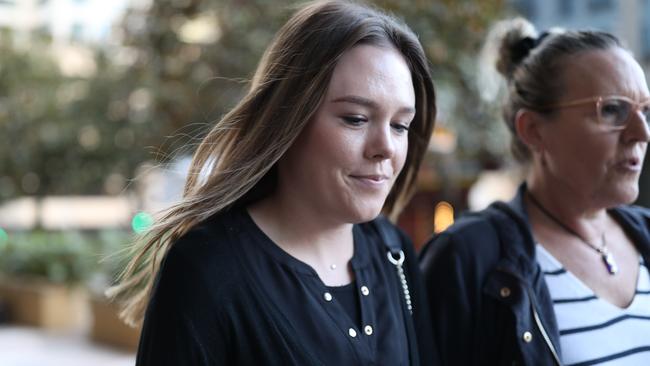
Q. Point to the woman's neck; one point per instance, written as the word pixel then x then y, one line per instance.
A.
pixel 572 208
pixel 305 235
pixel 296 224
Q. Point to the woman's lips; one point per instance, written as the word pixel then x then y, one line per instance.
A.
pixel 631 164
pixel 371 180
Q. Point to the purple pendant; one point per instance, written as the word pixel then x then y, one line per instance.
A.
pixel 610 263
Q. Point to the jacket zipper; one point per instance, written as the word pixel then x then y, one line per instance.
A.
pixel 542 330
pixel 538 321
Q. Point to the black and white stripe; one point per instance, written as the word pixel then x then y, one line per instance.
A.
pixel 592 330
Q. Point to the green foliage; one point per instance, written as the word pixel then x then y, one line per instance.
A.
pixel 63 134
pixel 452 32
pixel 195 83
pixel 180 67
pixel 112 258
pixel 60 257
pixel 54 256
pixel 28 84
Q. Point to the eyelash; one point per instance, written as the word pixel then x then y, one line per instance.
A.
pixel 400 128
pixel 353 120
pixel 357 121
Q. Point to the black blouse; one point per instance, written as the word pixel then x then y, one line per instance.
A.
pixel 348 297
pixel 227 295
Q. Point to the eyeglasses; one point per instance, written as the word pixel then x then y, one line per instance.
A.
pixel 613 111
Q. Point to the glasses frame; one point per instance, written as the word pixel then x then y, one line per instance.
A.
pixel 599 100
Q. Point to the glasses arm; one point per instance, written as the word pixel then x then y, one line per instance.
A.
pixel 574 103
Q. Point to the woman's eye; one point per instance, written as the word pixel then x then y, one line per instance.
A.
pixel 354 120
pixel 613 108
pixel 401 128
pixel 615 112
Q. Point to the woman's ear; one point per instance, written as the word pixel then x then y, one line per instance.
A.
pixel 528 125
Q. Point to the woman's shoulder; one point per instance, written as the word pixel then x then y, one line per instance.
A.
pixel 470 228
pixel 381 229
pixel 474 237
pixel 378 224
pixel 637 218
pixel 207 240
pixel 639 212
pixel 207 253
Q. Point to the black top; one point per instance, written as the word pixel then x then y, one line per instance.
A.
pixel 227 295
pixel 348 297
pixel 489 301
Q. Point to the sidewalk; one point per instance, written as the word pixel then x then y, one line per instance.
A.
pixel 26 346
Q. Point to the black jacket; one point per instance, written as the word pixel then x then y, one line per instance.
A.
pixel 489 302
pixel 227 295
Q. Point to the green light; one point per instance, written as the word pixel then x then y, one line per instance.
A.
pixel 4 237
pixel 141 222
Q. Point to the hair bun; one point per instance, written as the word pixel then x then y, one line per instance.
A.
pixel 507 43
pixel 521 49
pixel 514 40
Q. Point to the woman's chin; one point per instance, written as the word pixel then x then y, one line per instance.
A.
pixel 365 214
pixel 631 196
pixel 625 195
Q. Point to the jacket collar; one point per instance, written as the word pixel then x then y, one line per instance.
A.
pixel 519 247
pixel 517 243
pixel 635 221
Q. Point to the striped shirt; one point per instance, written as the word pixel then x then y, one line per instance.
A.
pixel 592 330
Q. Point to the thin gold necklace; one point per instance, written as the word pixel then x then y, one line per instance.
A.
pixel 606 256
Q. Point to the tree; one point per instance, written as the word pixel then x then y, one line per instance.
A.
pixel 62 134
pixel 181 65
pixel 452 33
pixel 197 79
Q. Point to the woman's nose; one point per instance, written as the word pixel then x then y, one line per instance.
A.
pixel 637 129
pixel 380 144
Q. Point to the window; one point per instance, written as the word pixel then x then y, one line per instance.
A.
pixel 525 7
pixel 566 8
pixel 597 6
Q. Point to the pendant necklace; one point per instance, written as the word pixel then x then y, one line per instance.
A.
pixel 332 267
pixel 606 256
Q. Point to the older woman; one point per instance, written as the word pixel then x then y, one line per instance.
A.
pixel 276 256
pixel 559 275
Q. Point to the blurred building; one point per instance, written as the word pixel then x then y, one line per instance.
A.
pixel 65 21
pixel 71 27
pixel 627 19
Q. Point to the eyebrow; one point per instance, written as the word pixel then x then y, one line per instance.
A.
pixel 355 99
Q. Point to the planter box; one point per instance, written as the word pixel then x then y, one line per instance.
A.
pixel 107 327
pixel 43 304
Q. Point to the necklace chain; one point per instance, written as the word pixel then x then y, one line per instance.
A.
pixel 606 255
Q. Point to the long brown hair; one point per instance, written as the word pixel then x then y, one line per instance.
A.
pixel 235 162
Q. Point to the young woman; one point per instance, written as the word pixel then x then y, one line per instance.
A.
pixel 277 256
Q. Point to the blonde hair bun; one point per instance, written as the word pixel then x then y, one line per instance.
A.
pixel 515 38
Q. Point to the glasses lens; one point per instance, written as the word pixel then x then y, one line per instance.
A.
pixel 614 112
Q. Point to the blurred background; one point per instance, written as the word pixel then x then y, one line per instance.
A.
pixel 102 103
